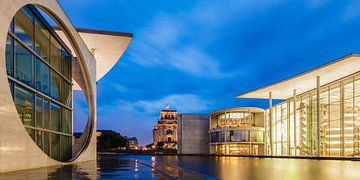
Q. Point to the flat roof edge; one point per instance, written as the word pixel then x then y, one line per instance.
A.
pixel 298 75
pixel 105 32
pixel 96 31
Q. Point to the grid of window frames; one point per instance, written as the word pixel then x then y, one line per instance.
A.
pixel 339 122
pixel 39 71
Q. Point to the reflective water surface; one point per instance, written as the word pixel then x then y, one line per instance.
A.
pixel 195 167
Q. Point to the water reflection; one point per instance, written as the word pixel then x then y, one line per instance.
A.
pixel 195 167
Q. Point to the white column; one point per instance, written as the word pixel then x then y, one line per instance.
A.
pixel 270 121
pixel 294 114
pixel 318 113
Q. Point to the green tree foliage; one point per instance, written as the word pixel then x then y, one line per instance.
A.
pixel 110 140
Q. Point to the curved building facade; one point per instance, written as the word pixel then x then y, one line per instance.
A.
pixel 37 74
pixel 237 131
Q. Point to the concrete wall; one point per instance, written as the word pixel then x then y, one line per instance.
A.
pixel 17 149
pixel 193 137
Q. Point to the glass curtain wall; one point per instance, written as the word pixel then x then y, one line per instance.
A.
pixel 296 134
pixel 39 71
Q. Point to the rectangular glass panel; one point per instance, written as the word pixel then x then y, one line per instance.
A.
pixel 335 125
pixel 55 146
pixel 46 114
pixel 66 148
pixel 348 118
pixel 42 77
pixel 324 123
pixel 55 117
pixel 11 88
pixel 55 85
pixel 67 90
pixel 55 59
pixel 46 147
pixel 42 40
pixel 24 101
pixel 24 26
pixel 357 116
pixel 66 121
pixel 38 138
pixel 24 65
pixel 67 64
pixel 38 114
pixel 9 56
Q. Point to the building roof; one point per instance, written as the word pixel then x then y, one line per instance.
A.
pixel 168 110
pixel 132 139
pixel 238 109
pixel 107 47
pixel 306 81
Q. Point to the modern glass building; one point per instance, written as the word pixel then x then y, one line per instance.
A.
pixel 38 65
pixel 40 68
pixel 319 115
pixel 237 131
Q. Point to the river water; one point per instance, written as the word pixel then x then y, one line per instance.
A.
pixel 196 167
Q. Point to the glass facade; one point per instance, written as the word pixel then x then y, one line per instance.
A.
pixel 294 125
pixel 237 132
pixel 39 72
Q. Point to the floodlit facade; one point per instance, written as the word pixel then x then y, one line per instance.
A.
pixel 237 131
pixel 40 68
pixel 320 112
pixel 165 131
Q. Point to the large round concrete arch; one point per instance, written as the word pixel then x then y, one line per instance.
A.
pixel 17 149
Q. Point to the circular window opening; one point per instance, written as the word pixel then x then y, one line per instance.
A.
pixel 39 70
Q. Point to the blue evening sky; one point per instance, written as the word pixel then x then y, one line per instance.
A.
pixel 197 55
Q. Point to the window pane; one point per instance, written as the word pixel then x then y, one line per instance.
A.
pixel 42 40
pixel 38 115
pixel 55 117
pixel 38 138
pixel 11 88
pixel 46 114
pixel 55 146
pixel 55 59
pixel 42 77
pixel 67 65
pixel 66 148
pixel 46 146
pixel 24 101
pixel 24 26
pixel 24 68
pixel 9 56
pixel 55 86
pixel 66 121
pixel 67 93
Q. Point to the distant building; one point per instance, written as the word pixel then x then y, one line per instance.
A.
pixel 237 131
pixel 133 143
pixel 165 131
pixel 193 137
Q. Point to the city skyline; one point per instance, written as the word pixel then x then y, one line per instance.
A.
pixel 198 55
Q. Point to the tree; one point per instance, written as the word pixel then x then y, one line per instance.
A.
pixel 110 140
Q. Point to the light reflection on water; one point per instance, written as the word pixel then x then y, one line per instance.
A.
pixel 195 167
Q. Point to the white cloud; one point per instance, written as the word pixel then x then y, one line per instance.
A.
pixel 188 103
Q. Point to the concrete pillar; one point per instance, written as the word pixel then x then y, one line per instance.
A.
pixel 294 114
pixel 270 121
pixel 318 114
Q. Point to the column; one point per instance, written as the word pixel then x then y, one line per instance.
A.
pixel 270 121
pixel 294 114
pixel 288 128
pixel 318 114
